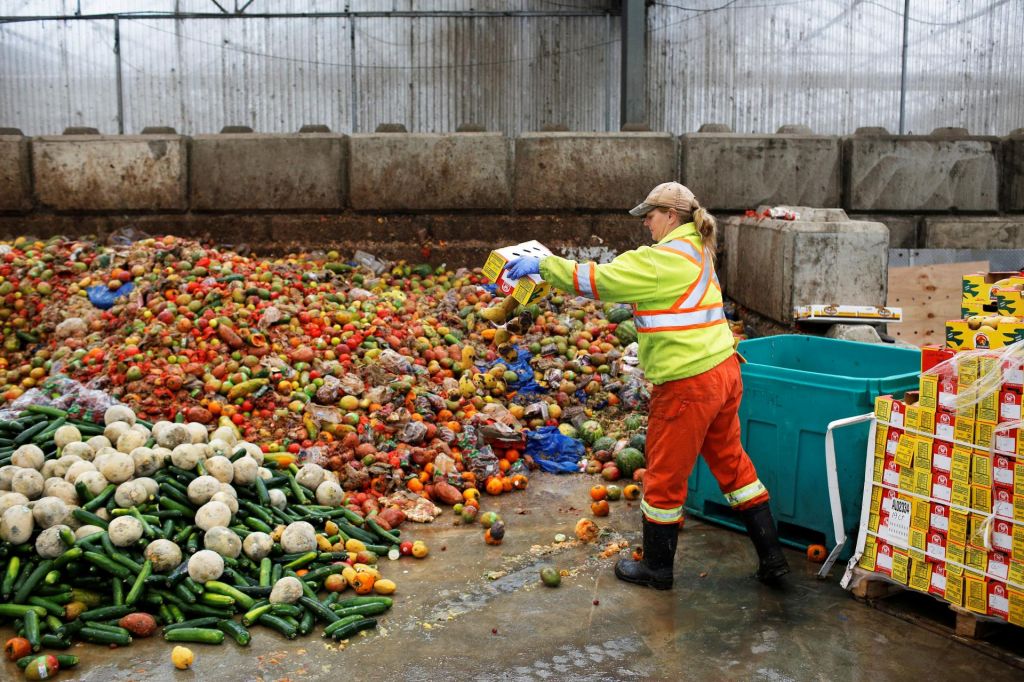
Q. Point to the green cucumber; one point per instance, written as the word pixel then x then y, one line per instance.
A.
pixel 98 636
pixel 362 610
pixel 31 621
pixel 347 631
pixel 317 608
pixel 21 594
pixel 204 622
pixel 197 635
pixel 279 624
pixel 235 630
pixel 219 588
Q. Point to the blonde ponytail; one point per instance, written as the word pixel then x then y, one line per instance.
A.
pixel 707 226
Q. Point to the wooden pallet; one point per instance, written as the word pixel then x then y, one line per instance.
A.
pixel 999 640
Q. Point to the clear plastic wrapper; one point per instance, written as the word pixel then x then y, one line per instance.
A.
pixel 395 362
pixel 63 393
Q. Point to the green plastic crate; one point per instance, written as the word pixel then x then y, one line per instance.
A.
pixel 793 386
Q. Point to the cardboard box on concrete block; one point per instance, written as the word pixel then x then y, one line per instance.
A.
pixel 921 173
pixel 735 172
pixel 966 232
pixel 823 257
pixel 110 173
pixel 15 179
pixel 248 171
pixel 430 172
pixel 595 171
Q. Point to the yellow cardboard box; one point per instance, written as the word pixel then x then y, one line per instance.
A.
pixel 960 336
pixel 1008 301
pixel 980 285
pixel 975 594
pixel 954 588
pixel 977 307
pixel 525 289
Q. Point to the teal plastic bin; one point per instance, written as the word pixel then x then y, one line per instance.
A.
pixel 793 386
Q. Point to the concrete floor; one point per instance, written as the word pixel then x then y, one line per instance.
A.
pixel 475 611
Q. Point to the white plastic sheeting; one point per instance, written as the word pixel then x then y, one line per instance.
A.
pixel 834 65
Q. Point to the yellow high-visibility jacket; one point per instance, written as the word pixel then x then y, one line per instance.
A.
pixel 676 297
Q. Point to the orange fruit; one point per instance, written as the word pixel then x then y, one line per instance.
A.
pixel 598 492
pixel 494 486
pixel 599 507
pixel 631 492
pixel 363 583
pixel 816 553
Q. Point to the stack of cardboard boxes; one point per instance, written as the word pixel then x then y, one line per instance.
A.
pixel 992 308
pixel 947 496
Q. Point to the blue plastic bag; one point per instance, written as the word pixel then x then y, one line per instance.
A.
pixel 103 298
pixel 525 384
pixel 553 451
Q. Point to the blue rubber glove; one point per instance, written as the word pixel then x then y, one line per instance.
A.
pixel 521 267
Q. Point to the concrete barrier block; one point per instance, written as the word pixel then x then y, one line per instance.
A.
pixel 776 265
pixel 964 232
pixel 242 171
pixel 903 229
pixel 734 172
pixel 921 173
pixel 596 171
pixel 110 173
pixel 429 172
pixel 15 178
pixel 1013 171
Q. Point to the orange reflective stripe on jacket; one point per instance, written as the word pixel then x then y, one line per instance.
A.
pixel 690 310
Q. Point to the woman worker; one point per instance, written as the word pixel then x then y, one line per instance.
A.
pixel 686 351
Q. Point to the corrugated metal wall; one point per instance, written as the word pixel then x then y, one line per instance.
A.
pixel 834 65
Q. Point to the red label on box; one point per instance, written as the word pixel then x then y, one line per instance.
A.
pixel 939 519
pixel 938 582
pixel 1009 406
pixel 893 440
pixel 1013 373
pixel 942 486
pixel 936 546
pixel 947 394
pixel 934 355
pixel 942 455
pixel 887 497
pixel 1002 471
pixel 998 565
pixel 883 560
pixel 945 426
pixel 998 600
pixel 1002 501
pixel 1002 535
pixel 891 472
pixel 898 414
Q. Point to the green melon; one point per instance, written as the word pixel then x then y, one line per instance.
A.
pixel 639 442
pixel 629 460
pixel 626 332
pixel 590 431
pixel 619 314
pixel 634 422
pixel 603 443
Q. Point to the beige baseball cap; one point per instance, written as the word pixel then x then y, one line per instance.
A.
pixel 666 195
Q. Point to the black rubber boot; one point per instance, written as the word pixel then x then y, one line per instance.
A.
pixel 772 564
pixel 655 569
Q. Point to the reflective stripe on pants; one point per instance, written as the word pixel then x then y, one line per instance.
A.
pixel 697 416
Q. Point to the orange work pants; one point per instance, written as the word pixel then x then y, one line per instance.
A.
pixel 692 416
